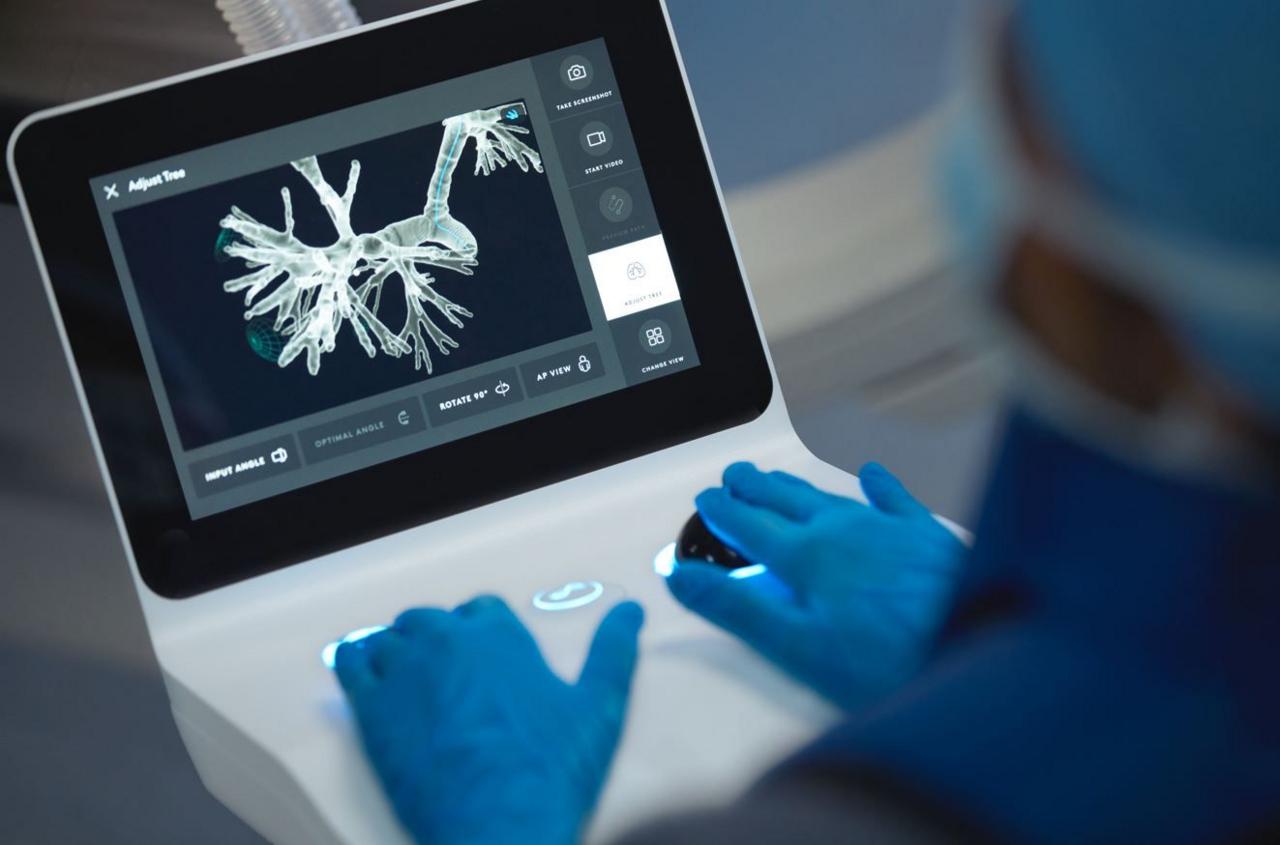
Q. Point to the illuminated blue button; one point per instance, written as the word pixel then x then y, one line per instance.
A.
pixel 330 652
pixel 748 571
pixel 664 563
pixel 571 596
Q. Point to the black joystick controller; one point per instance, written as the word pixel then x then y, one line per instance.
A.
pixel 697 544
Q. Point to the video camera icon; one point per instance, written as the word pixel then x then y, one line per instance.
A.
pixel 596 138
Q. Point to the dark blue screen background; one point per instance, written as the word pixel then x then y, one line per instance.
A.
pixel 524 292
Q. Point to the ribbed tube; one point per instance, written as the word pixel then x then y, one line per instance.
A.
pixel 320 17
pixel 263 24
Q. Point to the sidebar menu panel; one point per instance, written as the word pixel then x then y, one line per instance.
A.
pixel 629 259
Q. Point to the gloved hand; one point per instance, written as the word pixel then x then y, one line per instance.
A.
pixel 473 736
pixel 853 592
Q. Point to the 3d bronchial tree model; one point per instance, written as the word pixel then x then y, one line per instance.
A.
pixel 322 287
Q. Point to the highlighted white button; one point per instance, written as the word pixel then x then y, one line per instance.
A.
pixel 331 650
pixel 634 277
pixel 571 596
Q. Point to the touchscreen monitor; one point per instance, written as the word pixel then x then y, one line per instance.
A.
pixel 323 295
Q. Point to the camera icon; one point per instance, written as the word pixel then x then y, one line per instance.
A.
pixel 576 72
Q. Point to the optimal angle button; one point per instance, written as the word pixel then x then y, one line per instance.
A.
pixel 362 431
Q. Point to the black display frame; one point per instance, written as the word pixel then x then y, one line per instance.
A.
pixel 55 156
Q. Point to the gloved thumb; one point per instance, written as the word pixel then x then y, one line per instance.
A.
pixel 887 493
pixel 611 661
pixel 763 618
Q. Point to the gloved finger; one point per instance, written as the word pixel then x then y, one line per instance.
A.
pixel 428 623
pixel 611 660
pixel 493 613
pixel 386 649
pixel 758 617
pixel 780 492
pixel 351 665
pixel 483 605
pixel 758 534
pixel 887 493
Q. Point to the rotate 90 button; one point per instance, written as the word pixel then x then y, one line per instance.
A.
pixel 472 397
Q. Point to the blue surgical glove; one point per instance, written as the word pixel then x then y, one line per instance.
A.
pixel 852 594
pixel 473 736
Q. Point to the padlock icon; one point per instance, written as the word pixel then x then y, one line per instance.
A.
pixel 584 363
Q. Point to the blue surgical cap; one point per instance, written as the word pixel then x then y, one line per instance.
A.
pixel 1168 110
pixel 1169 113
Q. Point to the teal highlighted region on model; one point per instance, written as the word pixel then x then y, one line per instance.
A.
pixel 226 238
pixel 263 339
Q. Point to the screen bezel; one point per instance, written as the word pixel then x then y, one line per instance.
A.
pixel 55 156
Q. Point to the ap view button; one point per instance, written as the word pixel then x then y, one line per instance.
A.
pixel 564 369
pixel 245 466
pixel 362 430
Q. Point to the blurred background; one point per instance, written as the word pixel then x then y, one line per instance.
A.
pixel 831 201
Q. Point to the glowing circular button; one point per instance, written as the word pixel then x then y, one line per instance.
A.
pixel 330 652
pixel 571 596
pixel 664 562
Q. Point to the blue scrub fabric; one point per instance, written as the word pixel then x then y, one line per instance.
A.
pixel 1107 672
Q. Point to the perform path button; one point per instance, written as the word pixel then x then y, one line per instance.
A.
pixel 474 396
pixel 362 430
pixel 564 369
